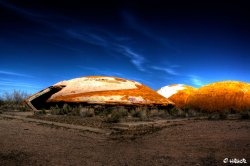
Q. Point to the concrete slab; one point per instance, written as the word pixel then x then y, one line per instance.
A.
pixel 77 127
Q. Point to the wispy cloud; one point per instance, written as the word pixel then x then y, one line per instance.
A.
pixel 19 10
pixel 17 84
pixel 88 37
pixel 13 73
pixel 38 17
pixel 134 57
pixel 94 36
pixel 8 85
pixel 109 43
pixel 136 25
pixel 195 80
pixel 168 70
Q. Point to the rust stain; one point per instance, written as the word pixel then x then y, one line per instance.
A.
pixel 145 92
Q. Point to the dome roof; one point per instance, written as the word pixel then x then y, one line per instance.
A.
pixel 178 93
pixel 221 96
pixel 102 90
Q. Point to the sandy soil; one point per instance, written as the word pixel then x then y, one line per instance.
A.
pixel 197 143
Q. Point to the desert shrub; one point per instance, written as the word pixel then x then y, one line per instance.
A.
pixel 55 110
pixel 1 101
pixel 103 110
pixel 213 116
pixel 140 112
pixel 40 112
pixel 219 115
pixel 10 101
pixel 177 112
pixel 116 114
pixel 245 114
pixel 163 113
pixel 122 110
pixel 114 117
pixel 98 109
pixel 223 115
pixel 66 109
pixel 74 111
pixel 192 113
pixel 86 111
pixel 154 112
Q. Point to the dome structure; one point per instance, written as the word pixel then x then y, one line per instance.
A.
pixel 221 96
pixel 98 90
pixel 178 93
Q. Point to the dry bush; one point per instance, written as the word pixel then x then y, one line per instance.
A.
pixel 11 101
pixel 245 114
pixel 86 111
pixel 116 114
pixel 140 112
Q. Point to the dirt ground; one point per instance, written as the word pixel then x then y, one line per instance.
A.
pixel 200 142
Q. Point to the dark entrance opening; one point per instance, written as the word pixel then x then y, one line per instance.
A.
pixel 40 101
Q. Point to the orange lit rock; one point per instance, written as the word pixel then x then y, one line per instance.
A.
pixel 98 90
pixel 221 96
pixel 178 93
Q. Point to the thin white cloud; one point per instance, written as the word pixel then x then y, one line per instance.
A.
pixel 195 80
pixel 136 25
pixel 88 37
pixel 17 84
pixel 134 57
pixel 4 72
pixel 169 70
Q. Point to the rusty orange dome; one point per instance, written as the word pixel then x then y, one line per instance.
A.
pixel 178 93
pixel 221 96
pixel 99 90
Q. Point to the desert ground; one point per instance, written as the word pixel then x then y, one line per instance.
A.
pixel 194 142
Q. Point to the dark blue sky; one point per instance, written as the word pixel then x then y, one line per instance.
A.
pixel 154 42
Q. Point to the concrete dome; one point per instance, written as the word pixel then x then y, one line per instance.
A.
pixel 178 93
pixel 98 90
pixel 221 96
